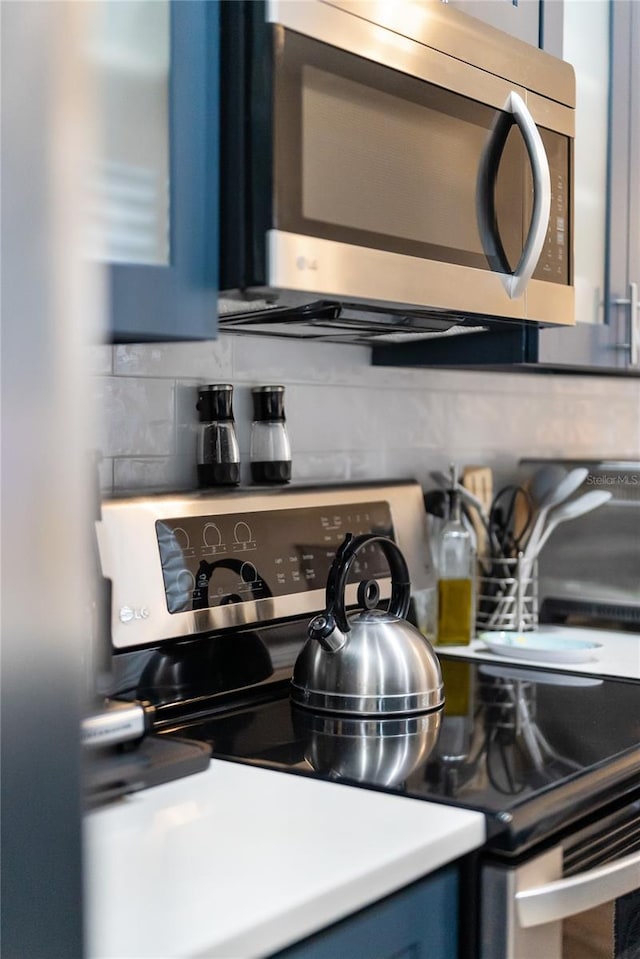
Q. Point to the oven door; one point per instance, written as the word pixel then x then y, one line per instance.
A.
pixel 407 178
pixel 578 900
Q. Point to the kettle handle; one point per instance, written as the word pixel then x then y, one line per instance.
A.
pixel 339 573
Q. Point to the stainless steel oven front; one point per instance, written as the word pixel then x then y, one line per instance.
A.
pixel 401 157
pixel 579 899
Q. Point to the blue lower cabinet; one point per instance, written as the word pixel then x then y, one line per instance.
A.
pixel 419 922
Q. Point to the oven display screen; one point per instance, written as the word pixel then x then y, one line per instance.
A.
pixel 212 561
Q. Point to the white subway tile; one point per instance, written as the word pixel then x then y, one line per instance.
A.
pixel 331 466
pixel 608 428
pixel 186 397
pixel 366 464
pixel 136 416
pixel 208 361
pixel 139 473
pixel 442 380
pixel 353 419
pixel 321 418
pixel 595 387
pixel 260 361
pixel 407 464
pixel 320 467
pixel 348 420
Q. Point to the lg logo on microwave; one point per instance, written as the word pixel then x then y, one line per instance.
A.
pixel 129 614
pixel 306 263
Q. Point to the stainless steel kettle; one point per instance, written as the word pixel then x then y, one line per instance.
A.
pixel 373 662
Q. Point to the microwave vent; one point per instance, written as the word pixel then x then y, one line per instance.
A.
pixel 406 337
pixel 336 322
pixel 228 307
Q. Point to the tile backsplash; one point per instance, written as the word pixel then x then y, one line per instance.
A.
pixel 348 420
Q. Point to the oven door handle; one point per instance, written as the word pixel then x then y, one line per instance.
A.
pixel 566 897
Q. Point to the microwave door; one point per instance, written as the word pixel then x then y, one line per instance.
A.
pixel 515 112
pixel 374 182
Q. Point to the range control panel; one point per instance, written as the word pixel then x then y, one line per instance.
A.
pixel 183 565
pixel 218 560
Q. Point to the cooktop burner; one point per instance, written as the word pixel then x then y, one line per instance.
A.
pixel 534 750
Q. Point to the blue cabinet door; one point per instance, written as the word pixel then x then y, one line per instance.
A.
pixel 177 301
pixel 419 922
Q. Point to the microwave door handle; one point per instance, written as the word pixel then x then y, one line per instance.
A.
pixel 514 110
pixel 541 196
pixel 566 897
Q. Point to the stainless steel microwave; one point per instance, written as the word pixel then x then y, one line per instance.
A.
pixel 391 169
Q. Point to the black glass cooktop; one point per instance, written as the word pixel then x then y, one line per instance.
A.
pixel 534 750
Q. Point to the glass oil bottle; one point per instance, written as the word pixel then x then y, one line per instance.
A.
pixel 456 563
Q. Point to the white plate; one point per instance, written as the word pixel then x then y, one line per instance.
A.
pixel 548 648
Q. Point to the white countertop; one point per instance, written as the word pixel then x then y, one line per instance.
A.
pixel 239 862
pixel 619 654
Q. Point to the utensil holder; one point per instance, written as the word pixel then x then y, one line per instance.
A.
pixel 507 595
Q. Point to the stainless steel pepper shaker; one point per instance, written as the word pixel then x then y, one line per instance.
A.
pixel 218 454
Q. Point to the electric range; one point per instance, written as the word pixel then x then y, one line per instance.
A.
pixel 211 595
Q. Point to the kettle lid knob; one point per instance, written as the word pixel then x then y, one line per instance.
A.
pixel 368 594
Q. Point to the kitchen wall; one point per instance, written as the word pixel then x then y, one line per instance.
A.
pixel 348 420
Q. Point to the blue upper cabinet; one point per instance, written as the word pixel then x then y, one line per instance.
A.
pixel 156 186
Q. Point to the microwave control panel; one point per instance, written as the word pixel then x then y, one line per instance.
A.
pixel 554 265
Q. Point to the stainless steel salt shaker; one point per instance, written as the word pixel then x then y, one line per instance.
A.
pixel 270 447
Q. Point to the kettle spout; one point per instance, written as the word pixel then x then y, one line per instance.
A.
pixel 323 629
